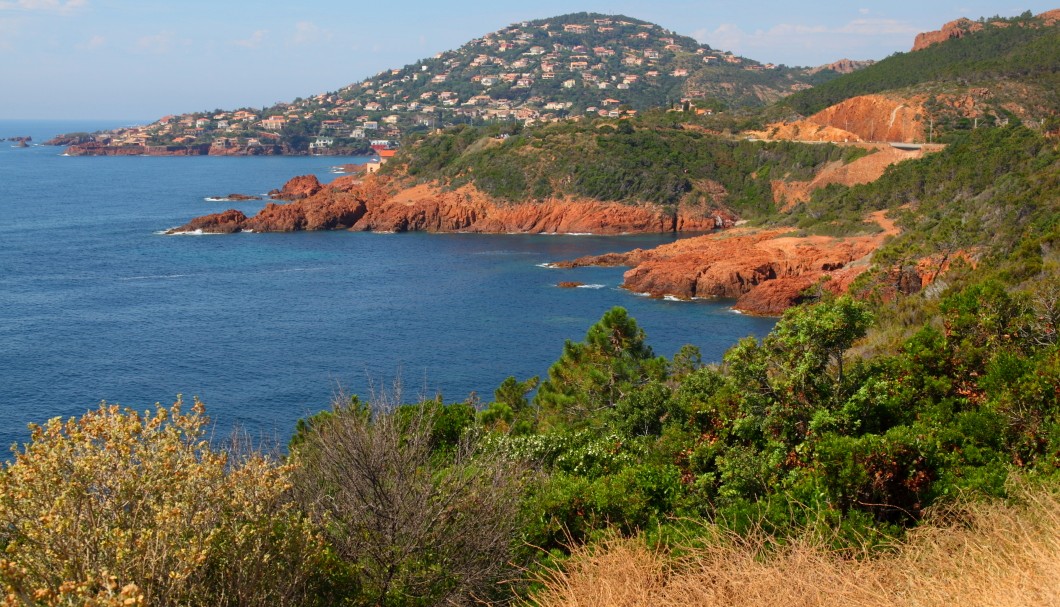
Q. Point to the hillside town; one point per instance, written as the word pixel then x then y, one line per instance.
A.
pixel 531 72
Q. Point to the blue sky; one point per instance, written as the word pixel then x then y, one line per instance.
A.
pixel 141 59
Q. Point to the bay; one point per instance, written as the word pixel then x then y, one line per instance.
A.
pixel 96 304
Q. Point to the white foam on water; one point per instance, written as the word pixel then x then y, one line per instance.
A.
pixel 591 286
pixel 154 277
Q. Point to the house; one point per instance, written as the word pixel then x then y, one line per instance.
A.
pixel 569 84
pixel 322 143
pixel 373 106
pixel 274 123
pixel 679 73
pixel 579 65
pixel 370 125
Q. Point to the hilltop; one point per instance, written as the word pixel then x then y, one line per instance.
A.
pixel 968 74
pixel 535 71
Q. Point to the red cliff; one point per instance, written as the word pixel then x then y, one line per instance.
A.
pixel 963 27
pixel 352 203
pixel 763 270
pixel 954 29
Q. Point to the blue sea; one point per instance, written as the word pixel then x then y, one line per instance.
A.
pixel 96 304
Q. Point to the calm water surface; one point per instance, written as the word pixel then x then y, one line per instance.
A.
pixel 96 305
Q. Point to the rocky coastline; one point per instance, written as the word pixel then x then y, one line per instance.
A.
pixel 375 204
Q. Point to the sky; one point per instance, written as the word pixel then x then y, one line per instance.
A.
pixel 142 59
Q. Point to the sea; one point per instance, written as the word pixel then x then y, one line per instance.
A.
pixel 97 304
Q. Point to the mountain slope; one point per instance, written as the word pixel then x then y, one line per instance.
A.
pixel 985 71
pixel 535 71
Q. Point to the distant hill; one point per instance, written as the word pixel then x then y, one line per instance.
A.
pixel 987 70
pixel 534 71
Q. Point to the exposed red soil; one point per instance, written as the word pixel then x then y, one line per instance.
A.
pixel 864 118
pixel 863 170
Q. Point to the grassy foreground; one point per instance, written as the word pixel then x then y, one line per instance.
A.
pixel 974 554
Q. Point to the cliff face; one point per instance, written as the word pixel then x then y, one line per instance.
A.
pixel 864 118
pixel 963 27
pixel 352 203
pixel 954 29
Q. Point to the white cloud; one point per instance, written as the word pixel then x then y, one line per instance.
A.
pixel 254 41
pixel 93 43
pixel 307 32
pixel 53 6
pixel 799 43
pixel 877 27
pixel 159 44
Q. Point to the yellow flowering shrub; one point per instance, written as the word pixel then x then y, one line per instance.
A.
pixel 127 508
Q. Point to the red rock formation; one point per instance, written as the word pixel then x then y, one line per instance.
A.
pixel 350 203
pixel 297 188
pixel 226 222
pixel 567 284
pixel 843 66
pixel 962 27
pixel 93 148
pixel 764 271
pixel 954 29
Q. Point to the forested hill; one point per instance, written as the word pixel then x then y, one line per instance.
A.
pixel 999 61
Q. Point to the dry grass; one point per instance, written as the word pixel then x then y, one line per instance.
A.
pixel 976 554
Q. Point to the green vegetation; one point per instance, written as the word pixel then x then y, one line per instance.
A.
pixel 1018 49
pixel 857 419
pixel 660 158
pixel 430 503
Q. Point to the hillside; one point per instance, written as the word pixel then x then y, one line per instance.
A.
pixel 967 74
pixel 535 71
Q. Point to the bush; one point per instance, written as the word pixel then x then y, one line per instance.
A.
pixel 122 507
pixel 418 520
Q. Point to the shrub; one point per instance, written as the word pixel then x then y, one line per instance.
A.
pixel 418 520
pixel 119 506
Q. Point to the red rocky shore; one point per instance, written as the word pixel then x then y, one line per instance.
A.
pixel 369 204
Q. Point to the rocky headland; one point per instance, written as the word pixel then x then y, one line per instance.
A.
pixel 764 271
pixel 375 204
